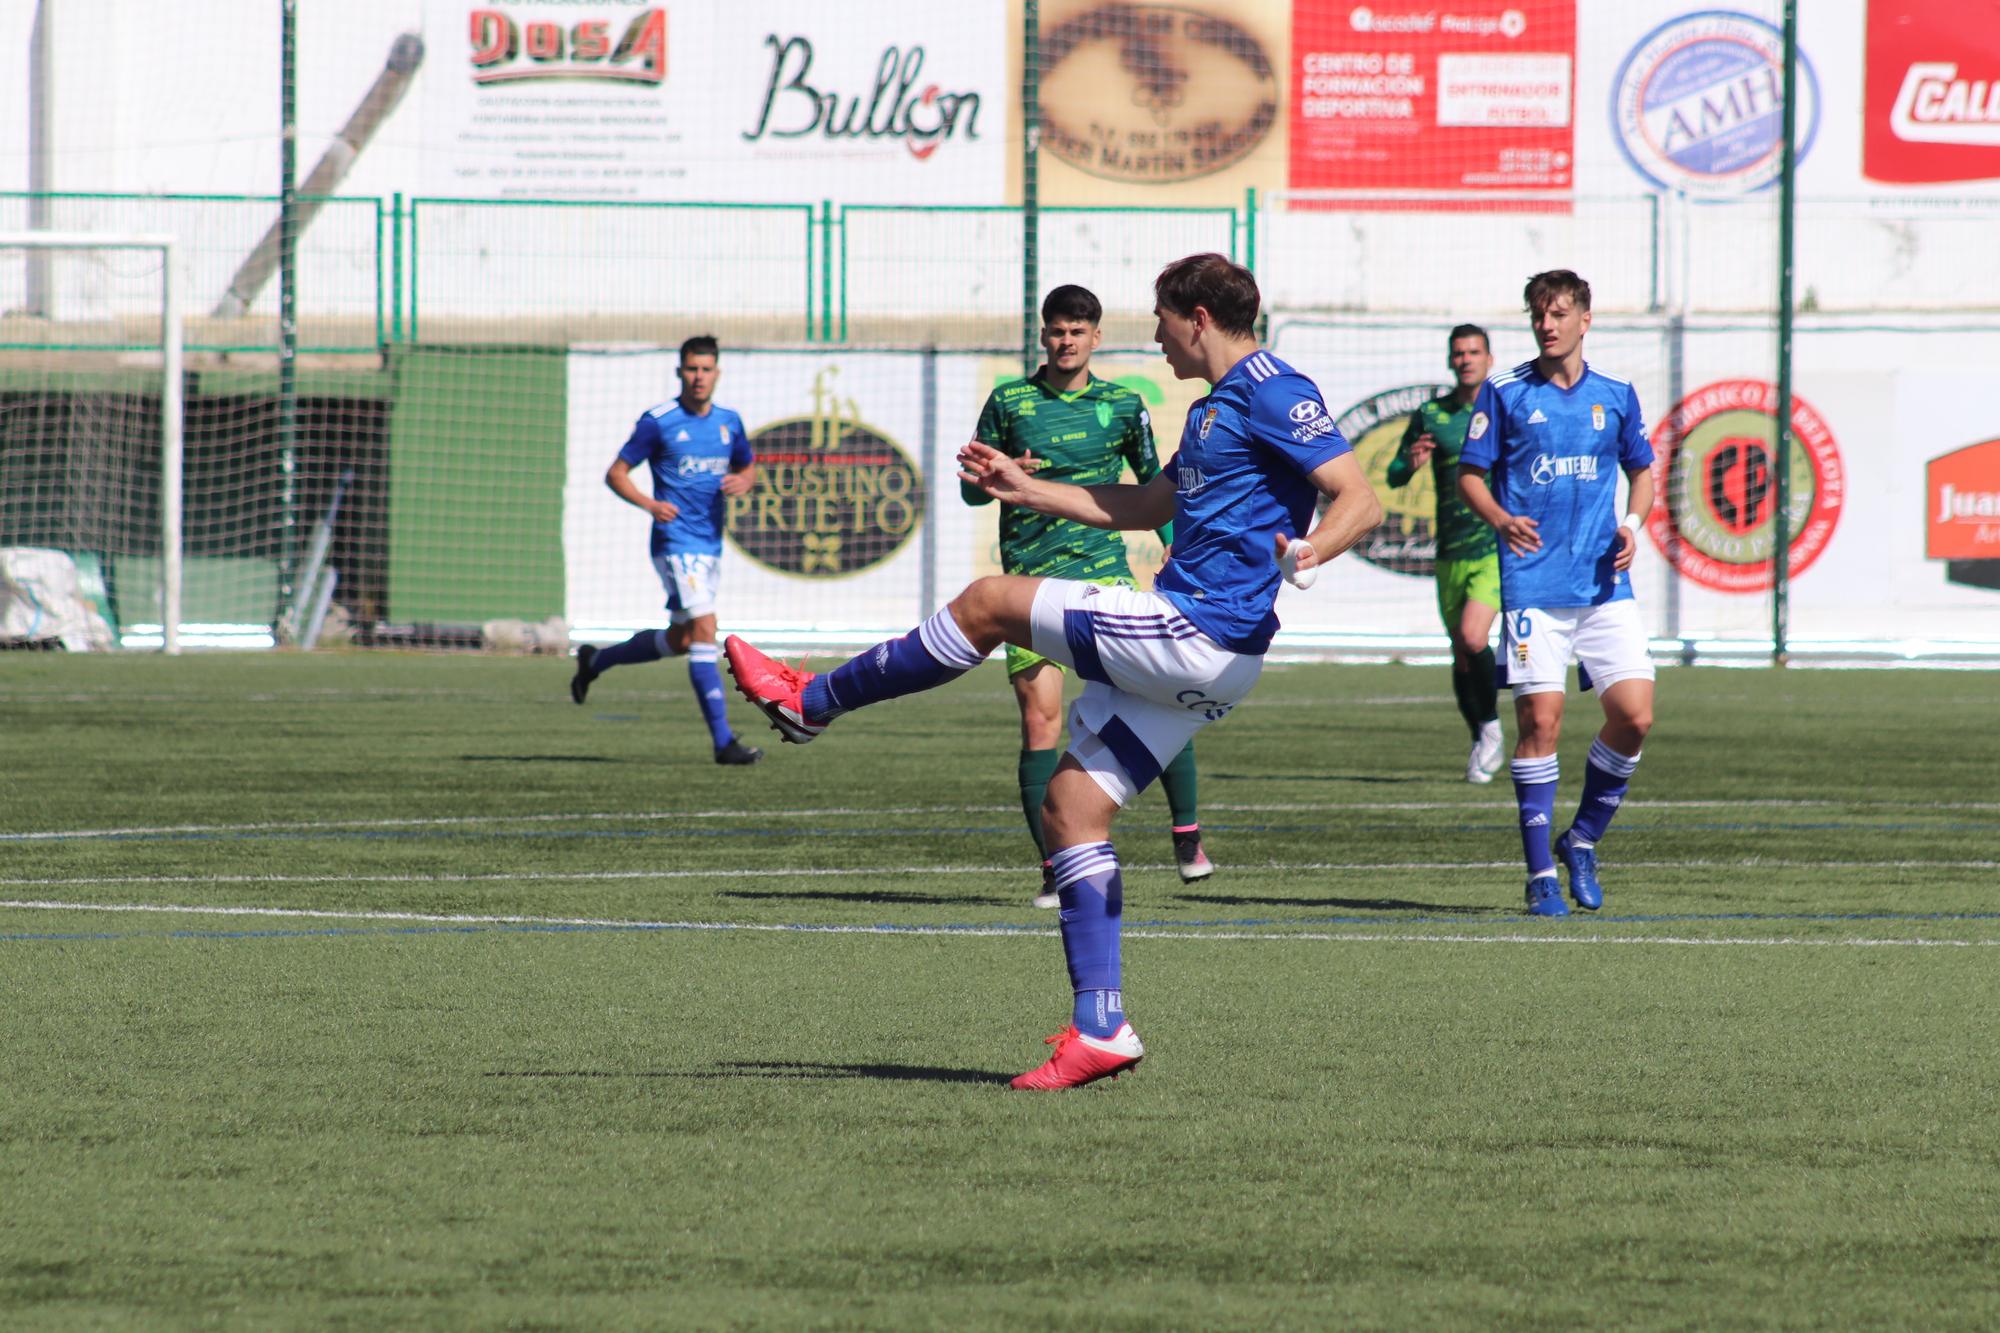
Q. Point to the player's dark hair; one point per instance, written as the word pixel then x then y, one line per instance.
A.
pixel 1228 291
pixel 1544 288
pixel 1469 331
pixel 702 344
pixel 1070 301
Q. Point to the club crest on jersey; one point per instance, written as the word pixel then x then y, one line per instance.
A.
pixel 1477 430
pixel 1207 420
pixel 1597 416
pixel 725 434
pixel 1104 416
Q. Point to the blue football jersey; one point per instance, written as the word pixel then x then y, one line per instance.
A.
pixel 1555 455
pixel 1242 474
pixel 689 456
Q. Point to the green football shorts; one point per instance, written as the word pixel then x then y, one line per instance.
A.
pixel 1462 581
pixel 1020 659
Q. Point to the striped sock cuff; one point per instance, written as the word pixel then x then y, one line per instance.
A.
pixel 1616 764
pixel 1080 862
pixel 944 640
pixel 1535 770
pixel 703 652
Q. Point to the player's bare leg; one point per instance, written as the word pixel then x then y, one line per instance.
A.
pixel 1039 693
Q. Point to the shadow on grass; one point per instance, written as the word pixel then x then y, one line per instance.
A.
pixel 879 896
pixel 1350 904
pixel 774 1069
pixel 538 759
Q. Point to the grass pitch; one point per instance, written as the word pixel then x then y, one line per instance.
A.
pixel 358 991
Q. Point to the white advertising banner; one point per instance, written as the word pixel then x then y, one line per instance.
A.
pixel 1894 521
pixel 832 536
pixel 783 101
pixel 1895 528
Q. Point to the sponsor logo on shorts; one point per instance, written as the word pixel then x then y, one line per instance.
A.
pixel 1698 104
pixel 1196 702
pixel 1713 464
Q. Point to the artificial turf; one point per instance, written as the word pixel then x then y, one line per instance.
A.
pixel 372 990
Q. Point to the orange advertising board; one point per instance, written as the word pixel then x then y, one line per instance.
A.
pixel 1962 504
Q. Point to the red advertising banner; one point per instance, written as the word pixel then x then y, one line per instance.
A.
pixel 1962 510
pixel 1933 100
pixel 1405 96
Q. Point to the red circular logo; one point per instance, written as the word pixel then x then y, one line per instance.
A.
pixel 1715 466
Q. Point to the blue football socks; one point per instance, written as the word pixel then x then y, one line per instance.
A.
pixel 929 655
pixel 1093 900
pixel 1535 793
pixel 707 682
pixel 1605 779
pixel 648 645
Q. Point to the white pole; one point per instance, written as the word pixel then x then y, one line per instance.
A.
pixel 172 447
pixel 171 442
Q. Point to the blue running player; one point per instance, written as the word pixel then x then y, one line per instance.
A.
pixel 1541 462
pixel 1255 455
pixel 698 453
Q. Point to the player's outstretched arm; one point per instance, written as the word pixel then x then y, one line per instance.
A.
pixel 1117 507
pixel 1352 511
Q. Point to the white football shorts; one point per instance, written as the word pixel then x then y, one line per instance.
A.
pixel 1151 679
pixel 1607 642
pixel 690 581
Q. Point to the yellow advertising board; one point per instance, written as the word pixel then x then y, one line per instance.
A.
pixel 1161 105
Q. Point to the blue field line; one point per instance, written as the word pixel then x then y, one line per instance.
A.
pixel 1276 925
pixel 1494 829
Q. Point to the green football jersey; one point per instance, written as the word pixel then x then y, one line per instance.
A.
pixel 1461 534
pixel 1087 437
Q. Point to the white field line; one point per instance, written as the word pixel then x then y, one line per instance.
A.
pixel 904 871
pixel 839 812
pixel 614 923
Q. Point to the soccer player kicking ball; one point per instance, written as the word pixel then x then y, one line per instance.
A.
pixel 1158 666
pixel 698 453
pixel 1468 567
pixel 1540 464
pixel 1065 424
